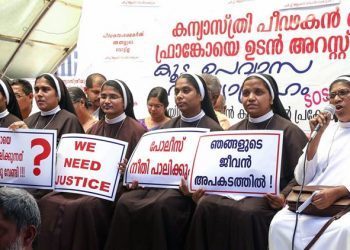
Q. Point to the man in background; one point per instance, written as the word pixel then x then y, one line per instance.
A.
pixel 220 104
pixel 92 90
pixel 214 89
pixel 24 94
pixel 19 219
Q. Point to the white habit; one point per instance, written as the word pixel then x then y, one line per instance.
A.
pixel 330 166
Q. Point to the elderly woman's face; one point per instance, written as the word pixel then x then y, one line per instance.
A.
pixel 256 97
pixel 339 96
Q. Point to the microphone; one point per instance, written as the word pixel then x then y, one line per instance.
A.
pixel 330 109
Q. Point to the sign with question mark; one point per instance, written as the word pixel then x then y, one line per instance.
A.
pixel 27 158
pixel 43 155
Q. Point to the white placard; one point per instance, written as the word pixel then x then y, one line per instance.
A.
pixel 162 157
pixel 88 164
pixel 238 162
pixel 27 158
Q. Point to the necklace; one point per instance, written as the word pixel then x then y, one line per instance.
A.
pixel 36 124
pixel 268 123
pixel 116 134
pixel 180 126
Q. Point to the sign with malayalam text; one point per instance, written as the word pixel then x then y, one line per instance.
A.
pixel 162 157
pixel 27 158
pixel 238 162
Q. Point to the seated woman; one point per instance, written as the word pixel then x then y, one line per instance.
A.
pixel 80 104
pixel 157 102
pixel 237 221
pixel 157 218
pixel 327 163
pixel 9 109
pixel 74 221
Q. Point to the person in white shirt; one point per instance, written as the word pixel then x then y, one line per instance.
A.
pixel 327 163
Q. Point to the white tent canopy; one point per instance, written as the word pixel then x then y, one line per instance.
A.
pixel 36 35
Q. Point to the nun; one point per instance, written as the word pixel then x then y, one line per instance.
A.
pixel 238 221
pixel 324 162
pixel 9 109
pixel 157 218
pixel 75 221
pixel 56 108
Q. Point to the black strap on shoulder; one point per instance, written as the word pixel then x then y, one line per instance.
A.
pixel 325 226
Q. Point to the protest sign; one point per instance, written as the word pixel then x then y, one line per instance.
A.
pixel 238 162
pixel 27 158
pixel 88 164
pixel 163 157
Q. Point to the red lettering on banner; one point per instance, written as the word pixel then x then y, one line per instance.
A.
pixel 317 97
pixel 105 186
pixel 85 146
pixel 229 31
pixel 82 163
pixel 263 47
pixel 84 182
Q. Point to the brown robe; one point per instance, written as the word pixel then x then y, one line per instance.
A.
pixel 74 221
pixel 63 121
pixel 222 223
pixel 153 218
pixel 6 121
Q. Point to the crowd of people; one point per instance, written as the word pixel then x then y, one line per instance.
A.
pixel 159 218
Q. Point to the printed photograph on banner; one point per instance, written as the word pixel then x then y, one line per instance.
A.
pixel 238 162
pixel 88 164
pixel 162 157
pixel 27 158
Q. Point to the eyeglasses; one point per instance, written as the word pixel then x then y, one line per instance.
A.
pixel 341 93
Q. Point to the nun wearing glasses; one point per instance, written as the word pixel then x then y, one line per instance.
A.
pixel 327 163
